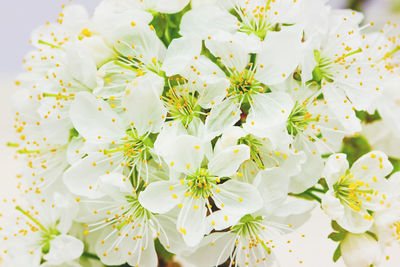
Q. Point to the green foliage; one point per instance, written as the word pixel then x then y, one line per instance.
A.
pixel 167 25
pixel 355 147
pixel 337 254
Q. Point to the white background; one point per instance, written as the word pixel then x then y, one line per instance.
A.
pixel 17 19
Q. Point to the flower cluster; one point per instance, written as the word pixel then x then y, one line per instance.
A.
pixel 209 129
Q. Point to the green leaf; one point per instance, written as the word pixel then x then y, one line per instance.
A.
pixel 337 254
pixel 355 147
pixel 337 236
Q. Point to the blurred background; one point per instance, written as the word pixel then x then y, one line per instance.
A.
pixel 19 17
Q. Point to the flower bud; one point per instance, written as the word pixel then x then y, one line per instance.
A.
pixel 360 250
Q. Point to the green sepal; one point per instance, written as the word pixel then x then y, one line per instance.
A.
pixel 337 237
pixel 337 254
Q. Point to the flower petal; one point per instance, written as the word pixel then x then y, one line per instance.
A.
pixel 280 55
pixel 82 178
pixel 171 6
pixel 185 153
pixel 205 20
pixel 273 185
pixel 64 248
pixel 192 220
pixel 335 166
pixel 162 196
pixel 180 53
pixel 374 164
pixel 223 116
pixel 95 120
pixel 237 198
pixel 143 105
pixel 213 250
pixel 227 162
pixel 230 48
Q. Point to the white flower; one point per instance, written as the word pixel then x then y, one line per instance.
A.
pixel 198 184
pixel 356 191
pixel 124 139
pixel 41 233
pixel 387 221
pixel 340 63
pixel 128 230
pixel 382 138
pixel 192 124
pixel 360 250
pixel 252 239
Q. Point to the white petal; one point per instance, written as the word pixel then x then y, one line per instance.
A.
pixel 82 178
pixel 223 116
pixel 273 185
pixel 100 52
pixel 229 138
pixel 213 250
pixel 374 164
pixel 279 56
pixel 227 162
pixel 295 212
pixel 115 184
pixel 105 250
pixel 230 48
pixel 221 220
pixel 169 236
pixel 81 66
pixel 162 196
pixel 332 206
pixel 212 90
pixel 335 166
pixel 360 250
pixel 354 221
pixel 171 6
pixel 180 53
pixel 237 197
pixel 145 256
pixel 268 117
pixel 192 220
pixel 202 21
pixel 139 42
pixel 64 248
pixel 185 153
pixel 74 152
pixel 143 105
pixel 311 169
pixel 166 138
pixel 343 110
pixel 93 118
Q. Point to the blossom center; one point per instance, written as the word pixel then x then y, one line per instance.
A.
pixel 200 184
pixel 299 119
pixel 244 84
pixel 182 105
pixel 135 148
pixel 352 192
